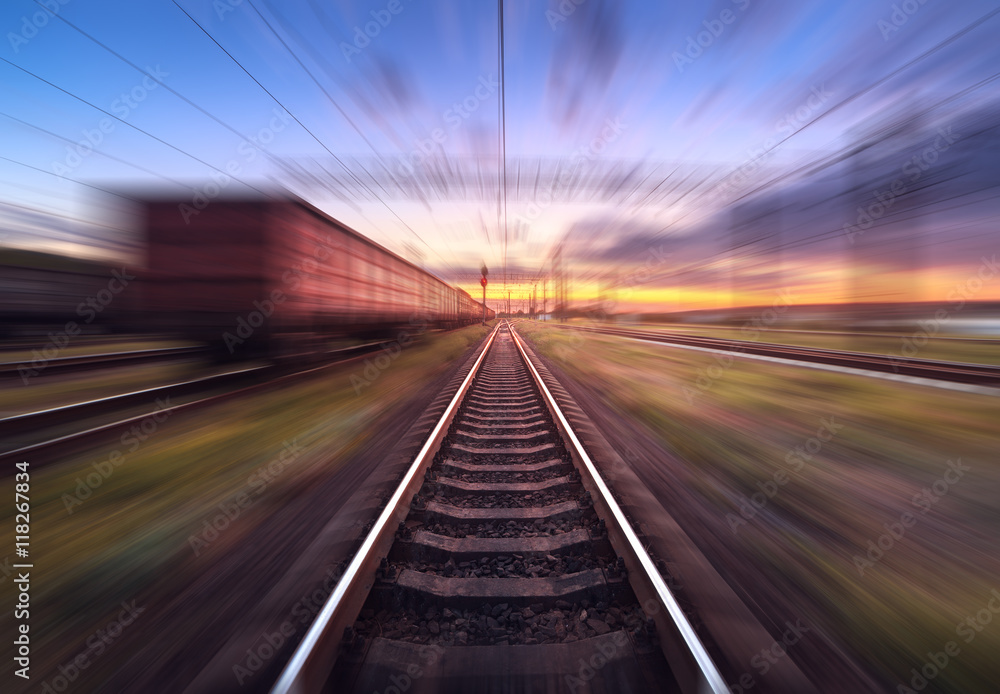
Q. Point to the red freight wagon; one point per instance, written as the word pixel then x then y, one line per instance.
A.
pixel 255 277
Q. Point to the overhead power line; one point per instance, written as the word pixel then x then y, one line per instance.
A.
pixel 307 130
pixel 131 125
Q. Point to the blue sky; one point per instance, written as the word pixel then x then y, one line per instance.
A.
pixel 764 70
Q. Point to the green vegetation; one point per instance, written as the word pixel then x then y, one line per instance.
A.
pixel 947 348
pixel 65 389
pixel 896 440
pixel 80 346
pixel 132 531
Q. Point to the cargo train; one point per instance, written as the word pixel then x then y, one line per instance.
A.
pixel 280 277
pixel 46 297
pixel 247 277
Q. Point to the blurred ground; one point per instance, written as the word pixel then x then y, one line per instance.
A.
pixel 856 455
pixel 971 349
pixel 279 465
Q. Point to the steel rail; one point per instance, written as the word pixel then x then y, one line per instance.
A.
pixel 26 418
pixel 80 408
pixel 103 429
pixel 987 375
pixel 107 358
pixel 298 676
pixel 711 679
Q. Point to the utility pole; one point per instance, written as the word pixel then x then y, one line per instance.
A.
pixel 484 271
pixel 556 273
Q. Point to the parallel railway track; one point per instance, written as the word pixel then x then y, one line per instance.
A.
pixel 952 372
pixel 29 368
pixel 502 563
pixel 28 434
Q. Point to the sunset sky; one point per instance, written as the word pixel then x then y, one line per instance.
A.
pixel 766 128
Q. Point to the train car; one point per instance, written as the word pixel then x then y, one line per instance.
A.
pixel 267 277
pixel 44 292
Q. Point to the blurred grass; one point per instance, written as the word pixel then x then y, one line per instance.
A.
pixel 963 349
pixel 56 389
pixel 132 533
pixel 79 346
pixel 65 389
pixel 896 440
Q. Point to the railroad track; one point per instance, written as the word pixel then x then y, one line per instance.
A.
pixel 30 367
pixel 953 372
pixel 501 564
pixel 28 434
